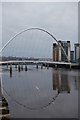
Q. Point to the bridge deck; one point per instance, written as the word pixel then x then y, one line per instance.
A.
pixel 36 62
pixel 50 63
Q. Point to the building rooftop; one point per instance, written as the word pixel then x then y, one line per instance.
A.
pixel 77 44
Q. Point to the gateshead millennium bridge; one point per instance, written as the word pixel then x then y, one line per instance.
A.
pixel 49 63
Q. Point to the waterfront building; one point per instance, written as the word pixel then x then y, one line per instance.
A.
pixel 77 52
pixel 72 56
pixel 58 53
pixel 55 52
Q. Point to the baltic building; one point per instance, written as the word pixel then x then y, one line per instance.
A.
pixel 58 53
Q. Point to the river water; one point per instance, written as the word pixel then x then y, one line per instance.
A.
pixel 41 93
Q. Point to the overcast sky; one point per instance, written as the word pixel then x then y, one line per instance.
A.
pixel 60 19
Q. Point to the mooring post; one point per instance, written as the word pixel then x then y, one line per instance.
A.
pixel 37 66
pixel 41 66
pixel 22 67
pixel 19 67
pixel 10 70
pixel 59 86
pixel 68 87
pixel 25 67
pixel 47 66
pixel 16 66
pixel 7 65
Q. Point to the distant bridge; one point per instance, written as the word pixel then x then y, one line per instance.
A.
pixel 32 62
pixel 44 63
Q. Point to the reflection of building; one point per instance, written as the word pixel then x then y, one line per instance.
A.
pixel 65 83
pixel 58 53
pixel 56 82
pixel 76 82
pixel 76 52
pixel 61 82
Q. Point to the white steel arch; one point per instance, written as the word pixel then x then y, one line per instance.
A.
pixel 40 29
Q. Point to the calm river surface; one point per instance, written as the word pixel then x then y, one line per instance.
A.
pixel 41 93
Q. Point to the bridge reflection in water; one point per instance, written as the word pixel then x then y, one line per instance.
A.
pixel 40 88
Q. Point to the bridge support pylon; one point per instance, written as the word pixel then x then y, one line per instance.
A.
pixel 68 87
pixel 19 67
pixel 22 67
pixel 10 70
pixel 41 66
pixel 37 66
pixel 16 66
pixel 59 86
pixel 25 67
pixel 47 66
pixel 7 65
